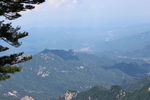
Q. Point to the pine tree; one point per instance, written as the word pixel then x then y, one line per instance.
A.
pixel 10 10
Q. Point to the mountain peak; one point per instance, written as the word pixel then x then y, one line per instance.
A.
pixel 65 54
pixel 45 51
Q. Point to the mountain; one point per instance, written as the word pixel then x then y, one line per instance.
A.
pixel 6 97
pixel 136 84
pixel 142 52
pixel 114 93
pixel 101 93
pixel 135 45
pixel 134 69
pixel 140 94
pixel 51 72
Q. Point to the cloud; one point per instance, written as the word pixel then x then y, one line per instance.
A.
pixel 58 3
pixel 74 1
pixel 86 49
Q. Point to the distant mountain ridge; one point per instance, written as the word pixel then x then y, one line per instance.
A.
pixel 133 69
pixel 136 84
pixel 115 93
pixel 136 45
pixel 66 55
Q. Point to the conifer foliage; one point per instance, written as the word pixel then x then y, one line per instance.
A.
pixel 10 9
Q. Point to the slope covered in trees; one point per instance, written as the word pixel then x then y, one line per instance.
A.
pixel 114 93
pixel 53 72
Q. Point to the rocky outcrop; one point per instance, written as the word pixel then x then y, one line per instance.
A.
pixel 69 95
pixel 27 98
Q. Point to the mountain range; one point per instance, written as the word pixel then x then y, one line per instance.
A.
pixel 114 93
pixel 51 72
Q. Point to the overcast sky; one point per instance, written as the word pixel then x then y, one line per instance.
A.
pixel 78 12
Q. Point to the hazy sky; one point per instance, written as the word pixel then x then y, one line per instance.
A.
pixel 81 12
pixel 47 20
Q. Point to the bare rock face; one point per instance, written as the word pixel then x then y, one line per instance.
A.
pixel 69 95
pixel 13 93
pixel 121 94
pixel 27 98
pixel 149 89
pixel 118 92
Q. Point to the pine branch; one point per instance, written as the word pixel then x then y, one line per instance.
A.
pixel 10 34
pixel 6 70
pixel 10 8
pixel 4 77
pixel 3 48
pixel 14 59
pixel 9 69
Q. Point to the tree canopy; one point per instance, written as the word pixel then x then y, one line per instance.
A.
pixel 10 9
